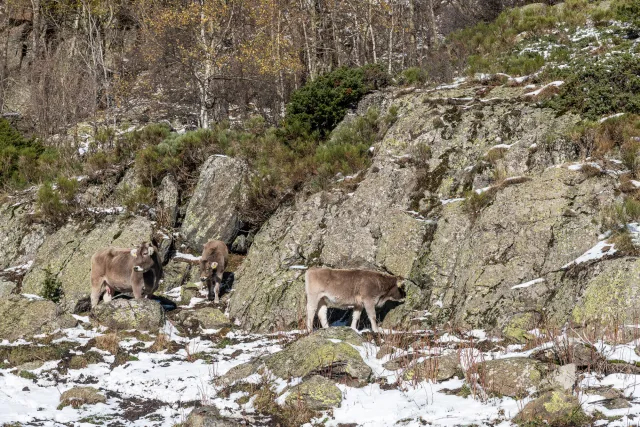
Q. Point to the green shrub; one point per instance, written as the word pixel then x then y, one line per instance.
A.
pixel 320 105
pixel 596 89
pixel 51 287
pixel 412 76
pixel 54 203
pixel 617 215
pixel 22 160
pixel 132 198
pixel 347 150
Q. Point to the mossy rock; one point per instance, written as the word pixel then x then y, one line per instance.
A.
pixel 206 318
pixel 553 408
pixel 80 361
pixel 121 314
pixel 79 396
pixel 318 393
pixel 23 318
pixel 439 368
pixel 513 377
pixel 322 352
pixel 21 354
pixel 188 291
pixel 209 416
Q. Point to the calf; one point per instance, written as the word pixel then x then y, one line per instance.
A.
pixel 213 261
pixel 137 270
pixel 346 288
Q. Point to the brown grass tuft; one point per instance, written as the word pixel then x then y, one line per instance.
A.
pixel 109 342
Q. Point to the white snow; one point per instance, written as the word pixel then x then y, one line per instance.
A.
pixel 447 201
pixel 109 211
pixel 599 251
pixel 604 119
pixel 529 283
pixel 186 257
pixel 557 83
pixel 298 267
pixel 19 269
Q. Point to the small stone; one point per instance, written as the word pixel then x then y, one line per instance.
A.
pixel 79 396
pixel 556 408
pixel 439 368
pixel 513 377
pixel 209 416
pixel 240 245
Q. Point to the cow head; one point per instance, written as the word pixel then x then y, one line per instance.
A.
pixel 143 255
pixel 397 293
pixel 207 268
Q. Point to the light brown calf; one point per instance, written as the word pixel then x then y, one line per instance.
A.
pixel 349 288
pixel 213 261
pixel 137 270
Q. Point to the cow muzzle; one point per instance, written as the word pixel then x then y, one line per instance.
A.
pixel 138 268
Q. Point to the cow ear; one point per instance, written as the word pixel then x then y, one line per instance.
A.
pixel 400 284
pixel 134 253
pixel 150 250
pixel 214 265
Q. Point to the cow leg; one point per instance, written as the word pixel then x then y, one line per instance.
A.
pixel 137 285
pixel 355 317
pixel 96 290
pixel 108 295
pixel 312 307
pixel 216 289
pixel 322 313
pixel 371 312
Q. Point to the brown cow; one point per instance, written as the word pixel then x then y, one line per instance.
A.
pixel 349 288
pixel 137 270
pixel 215 256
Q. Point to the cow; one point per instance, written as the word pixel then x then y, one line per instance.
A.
pixel 136 270
pixel 349 288
pixel 213 261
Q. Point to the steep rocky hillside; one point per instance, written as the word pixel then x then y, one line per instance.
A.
pixel 508 200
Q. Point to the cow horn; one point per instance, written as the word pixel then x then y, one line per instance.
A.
pixel 214 265
pixel 134 253
pixel 150 250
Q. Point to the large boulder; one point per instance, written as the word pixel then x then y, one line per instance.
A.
pixel 513 377
pixel 24 317
pixel 124 314
pixel 79 396
pixel 214 209
pixel 329 352
pixel 493 260
pixel 205 318
pixel 67 254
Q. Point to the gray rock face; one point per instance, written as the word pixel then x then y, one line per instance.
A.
pixel 123 314
pixel 6 287
pixel 412 215
pixel 69 250
pixel 22 318
pixel 514 377
pixel 318 393
pixel 213 211
pixel 168 201
pixel 19 240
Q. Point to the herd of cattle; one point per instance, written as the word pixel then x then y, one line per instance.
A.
pixel 139 271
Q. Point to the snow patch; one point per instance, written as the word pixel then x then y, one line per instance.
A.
pixel 529 283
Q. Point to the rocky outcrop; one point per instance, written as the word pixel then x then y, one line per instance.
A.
pixel 79 396
pixel 167 199
pixel 205 318
pixel 496 258
pixel 23 317
pixel 123 314
pixel 329 352
pixel 19 240
pixel 214 209
pixel 67 254
pixel 439 368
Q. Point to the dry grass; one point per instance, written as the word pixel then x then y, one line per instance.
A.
pixel 162 342
pixel 109 342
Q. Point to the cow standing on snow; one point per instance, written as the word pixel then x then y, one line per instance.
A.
pixel 137 270
pixel 213 261
pixel 349 288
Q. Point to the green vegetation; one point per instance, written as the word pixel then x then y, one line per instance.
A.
pixel 56 201
pixel 24 161
pixel 317 107
pixel 412 76
pixel 595 89
pixel 51 287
